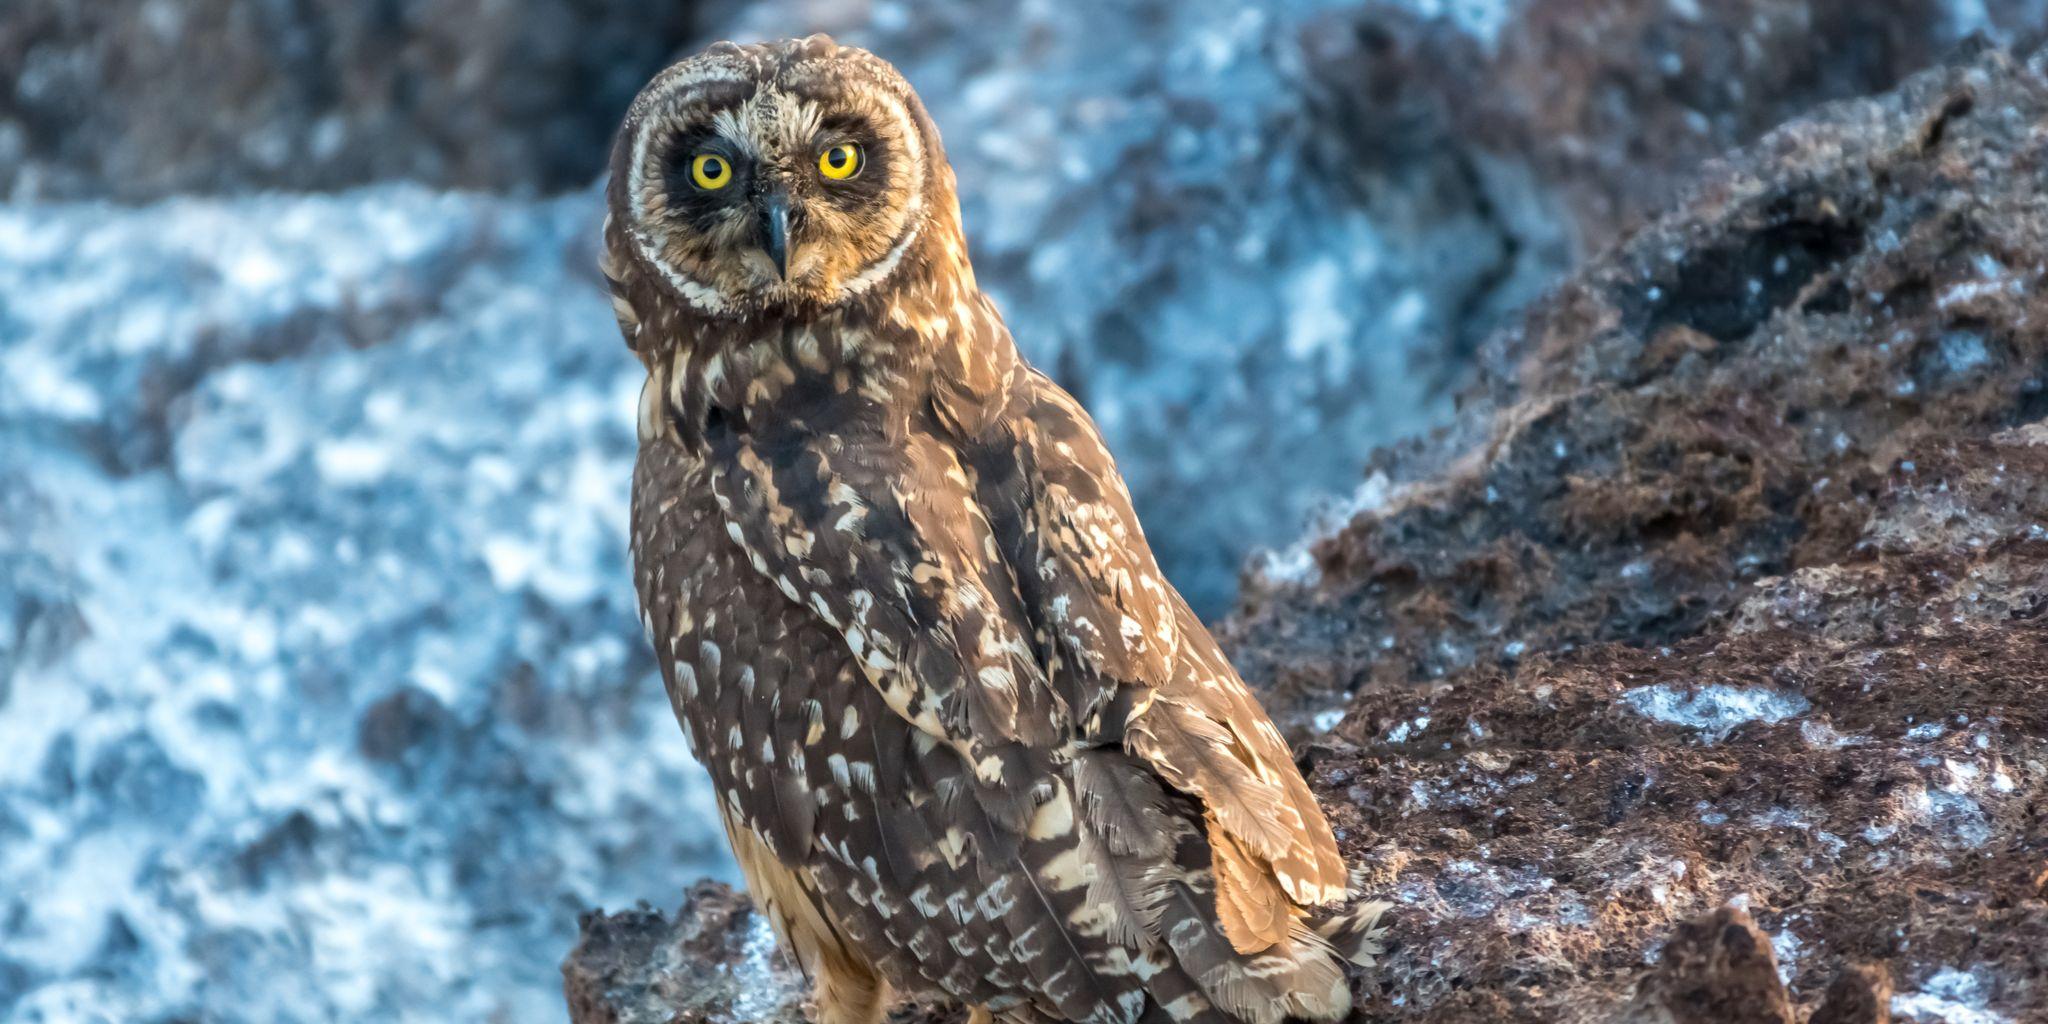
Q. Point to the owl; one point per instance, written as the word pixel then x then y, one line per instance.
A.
pixel 968 744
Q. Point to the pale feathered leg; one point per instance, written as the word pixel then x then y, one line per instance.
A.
pixel 845 988
pixel 846 996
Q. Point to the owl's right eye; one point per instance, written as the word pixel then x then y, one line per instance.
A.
pixel 710 171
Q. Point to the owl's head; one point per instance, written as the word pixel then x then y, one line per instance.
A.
pixel 781 177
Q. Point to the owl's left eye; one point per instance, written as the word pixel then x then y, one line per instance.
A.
pixel 710 171
pixel 841 161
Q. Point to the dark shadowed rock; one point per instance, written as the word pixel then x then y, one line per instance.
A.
pixel 1612 104
pixel 1860 994
pixel 1717 969
pixel 714 961
pixel 1726 590
pixel 1702 665
pixel 138 99
pixel 1719 400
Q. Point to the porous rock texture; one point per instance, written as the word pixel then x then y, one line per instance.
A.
pixel 1700 671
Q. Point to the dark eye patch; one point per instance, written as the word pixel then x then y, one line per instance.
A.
pixel 867 189
pixel 684 197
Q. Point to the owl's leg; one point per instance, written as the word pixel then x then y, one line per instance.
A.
pixel 980 1015
pixel 849 996
pixel 844 986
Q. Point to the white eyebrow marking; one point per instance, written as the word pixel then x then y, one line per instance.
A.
pixel 735 125
pixel 801 123
pixel 880 268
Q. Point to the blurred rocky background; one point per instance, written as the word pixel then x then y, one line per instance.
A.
pixel 321 690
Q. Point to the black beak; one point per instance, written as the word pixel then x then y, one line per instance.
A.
pixel 775 231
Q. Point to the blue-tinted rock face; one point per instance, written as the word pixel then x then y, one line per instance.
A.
pixel 324 695
pixel 321 691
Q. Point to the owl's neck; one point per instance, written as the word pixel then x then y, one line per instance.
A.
pixel 932 340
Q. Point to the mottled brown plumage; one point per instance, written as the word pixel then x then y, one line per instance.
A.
pixel 968 742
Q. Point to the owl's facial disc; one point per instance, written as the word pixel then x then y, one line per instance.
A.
pixel 777 182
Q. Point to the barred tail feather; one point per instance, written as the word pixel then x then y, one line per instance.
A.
pixel 1357 932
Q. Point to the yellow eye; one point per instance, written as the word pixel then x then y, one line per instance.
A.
pixel 840 162
pixel 710 171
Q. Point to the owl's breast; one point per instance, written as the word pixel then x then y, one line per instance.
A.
pixel 752 678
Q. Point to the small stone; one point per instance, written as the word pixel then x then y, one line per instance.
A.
pixel 1860 994
pixel 1716 969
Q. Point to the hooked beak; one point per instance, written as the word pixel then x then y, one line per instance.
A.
pixel 775 231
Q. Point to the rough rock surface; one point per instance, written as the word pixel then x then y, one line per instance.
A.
pixel 1700 672
pixel 717 961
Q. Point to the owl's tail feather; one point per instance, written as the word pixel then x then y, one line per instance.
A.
pixel 1297 977
pixel 1154 847
pixel 1172 997
pixel 1356 930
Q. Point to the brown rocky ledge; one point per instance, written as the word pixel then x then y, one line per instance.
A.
pixel 1701 673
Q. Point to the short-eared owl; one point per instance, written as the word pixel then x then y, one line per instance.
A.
pixel 968 742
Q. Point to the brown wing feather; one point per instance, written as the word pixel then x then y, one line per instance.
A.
pixel 1198 725
pixel 1309 867
pixel 1254 910
pixel 1194 753
pixel 788 897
